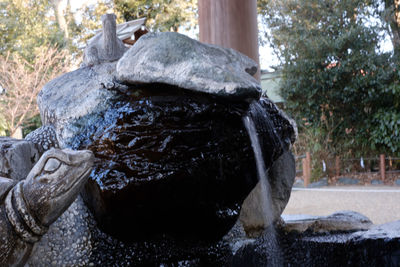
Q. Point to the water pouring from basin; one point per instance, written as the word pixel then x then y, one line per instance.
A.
pixel 264 210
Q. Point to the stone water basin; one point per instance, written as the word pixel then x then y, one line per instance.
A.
pixel 169 161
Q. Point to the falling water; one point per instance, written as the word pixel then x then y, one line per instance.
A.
pixel 264 210
pixel 265 204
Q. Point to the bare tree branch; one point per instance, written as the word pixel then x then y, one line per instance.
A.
pixel 23 81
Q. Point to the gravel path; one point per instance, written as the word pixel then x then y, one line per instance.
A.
pixel 380 204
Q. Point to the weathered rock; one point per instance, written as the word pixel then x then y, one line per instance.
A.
pixel 169 155
pixel 74 95
pixel 339 221
pixel 17 158
pixel 379 246
pixel 176 59
pixel 165 153
pixel 281 175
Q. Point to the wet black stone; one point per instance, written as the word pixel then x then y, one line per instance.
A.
pixel 330 249
pixel 169 161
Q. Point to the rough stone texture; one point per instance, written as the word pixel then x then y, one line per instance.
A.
pixel 75 240
pixel 166 153
pixel 44 138
pixel 383 231
pixel 178 60
pixel 379 246
pixel 17 157
pixel 72 96
pixel 67 242
pixel 339 221
pixel 141 130
pixel 282 174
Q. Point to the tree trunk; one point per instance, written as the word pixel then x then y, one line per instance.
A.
pixel 59 9
pixel 392 17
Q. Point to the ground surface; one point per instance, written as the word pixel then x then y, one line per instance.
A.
pixel 379 203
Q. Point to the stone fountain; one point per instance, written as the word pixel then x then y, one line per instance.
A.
pixel 180 137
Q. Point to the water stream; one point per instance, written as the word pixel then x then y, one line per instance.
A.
pixel 265 207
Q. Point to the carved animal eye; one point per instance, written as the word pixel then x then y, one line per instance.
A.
pixel 52 165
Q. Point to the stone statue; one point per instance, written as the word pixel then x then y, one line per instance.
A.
pixel 104 47
pixel 29 207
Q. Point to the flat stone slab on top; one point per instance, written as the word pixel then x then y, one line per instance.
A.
pixel 178 60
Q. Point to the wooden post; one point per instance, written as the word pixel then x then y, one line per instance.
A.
pixel 337 166
pixel 382 167
pixel 231 24
pixel 305 173
pixel 308 157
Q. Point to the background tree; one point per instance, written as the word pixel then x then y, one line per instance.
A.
pixel 335 80
pixel 22 81
pixel 29 29
pixel 26 25
pixel 391 15
pixel 162 15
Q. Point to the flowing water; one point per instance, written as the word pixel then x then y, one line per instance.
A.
pixel 265 206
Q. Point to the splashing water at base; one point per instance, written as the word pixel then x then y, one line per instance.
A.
pixel 263 210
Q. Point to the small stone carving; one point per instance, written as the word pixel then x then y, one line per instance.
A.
pixel 104 47
pixel 29 207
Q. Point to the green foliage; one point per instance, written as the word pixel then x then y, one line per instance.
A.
pixel 162 15
pixel 31 124
pixel 334 78
pixel 387 130
pixel 26 25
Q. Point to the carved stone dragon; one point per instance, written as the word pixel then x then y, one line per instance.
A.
pixel 29 207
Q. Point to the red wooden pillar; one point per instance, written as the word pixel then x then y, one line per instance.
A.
pixel 231 24
pixel 307 177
